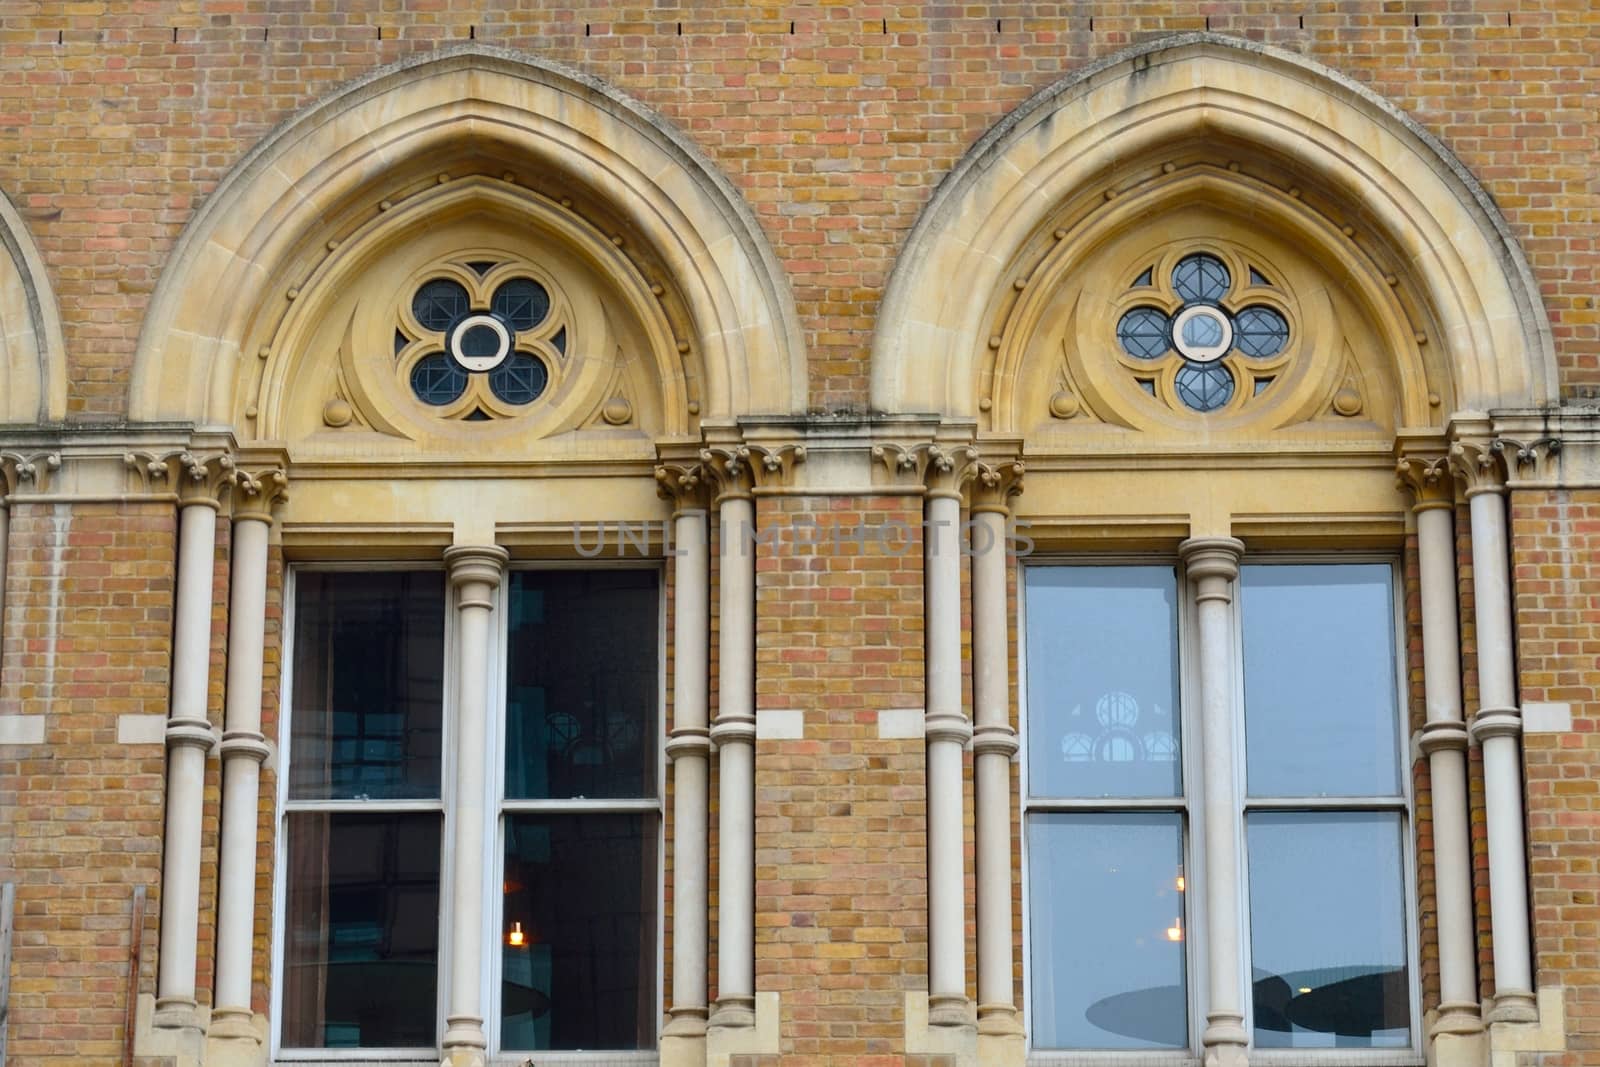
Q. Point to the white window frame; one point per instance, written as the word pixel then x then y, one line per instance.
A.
pixel 1193 813
pixel 495 803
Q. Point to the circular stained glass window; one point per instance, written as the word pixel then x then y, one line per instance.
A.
pixel 522 302
pixel 1204 387
pixel 1262 331
pixel 439 303
pixel 1201 277
pixel 438 380
pixel 1143 333
pixel 520 379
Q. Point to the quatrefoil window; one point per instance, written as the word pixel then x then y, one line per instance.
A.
pixel 480 341
pixel 1220 352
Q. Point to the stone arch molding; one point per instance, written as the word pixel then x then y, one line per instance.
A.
pixel 1424 221
pixel 325 174
pixel 33 378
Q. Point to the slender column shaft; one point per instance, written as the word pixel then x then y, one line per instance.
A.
pixel 1444 739
pixel 993 743
pixel 189 738
pixel 947 731
pixel 243 750
pixel 475 572
pixel 689 749
pixel 1213 564
pixel 1497 726
pixel 734 734
pixel 5 542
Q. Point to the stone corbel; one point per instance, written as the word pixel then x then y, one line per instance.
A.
pixel 1536 460
pixel 741 470
pixel 19 471
pixel 940 468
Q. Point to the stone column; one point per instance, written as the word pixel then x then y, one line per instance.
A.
pixel 994 743
pixel 1213 564
pixel 189 736
pixel 689 749
pixel 1444 742
pixel 243 751
pixel 475 573
pixel 1497 727
pixel 734 734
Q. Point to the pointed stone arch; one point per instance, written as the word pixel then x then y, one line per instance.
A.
pixel 1422 216
pixel 33 379
pixel 474 109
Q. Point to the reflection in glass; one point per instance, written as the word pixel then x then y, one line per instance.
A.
pixel 580 890
pixel 368 685
pixel 1106 930
pixel 1319 680
pixel 582 684
pixel 361 936
pixel 1327 930
pixel 1103 682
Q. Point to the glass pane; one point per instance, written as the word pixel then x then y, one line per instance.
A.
pixel 438 379
pixel 1143 333
pixel 1103 682
pixel 520 379
pixel 522 303
pixel 439 303
pixel 1201 277
pixel 1203 387
pixel 1319 688
pixel 1327 930
pixel 368 685
pixel 1106 929
pixel 578 959
pixel 361 938
pixel 582 685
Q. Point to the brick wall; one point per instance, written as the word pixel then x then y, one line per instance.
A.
pixel 1556 569
pixel 835 121
pixel 87 638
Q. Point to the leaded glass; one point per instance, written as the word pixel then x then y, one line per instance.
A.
pixel 1203 331
pixel 1201 277
pixel 520 379
pixel 479 342
pixel 439 303
pixel 1260 331
pixel 438 379
pixel 1143 333
pixel 1204 388
pixel 522 302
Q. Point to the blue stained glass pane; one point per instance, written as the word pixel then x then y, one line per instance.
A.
pixel 1260 331
pixel 1204 388
pixel 1145 278
pixel 1201 277
pixel 522 302
pixel 560 340
pixel 520 379
pixel 1143 333
pixel 440 303
pixel 438 379
pixel 1257 278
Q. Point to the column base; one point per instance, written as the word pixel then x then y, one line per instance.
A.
pixel 924 1037
pixel 685 1022
pixel 1514 1006
pixel 1225 1040
pixel 1456 1017
pixel 179 1038
pixel 1000 1037
pixel 237 1038
pixel 733 1013
pixel 464 1044
pixel 683 1039
pixel 945 1009
pixel 759 1038
pixel 174 1013
pixel 999 1020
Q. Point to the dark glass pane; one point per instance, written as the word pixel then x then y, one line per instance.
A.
pixel 1146 277
pixel 400 341
pixel 438 379
pixel 479 342
pixel 1257 278
pixel 440 303
pixel 582 684
pixel 520 379
pixel 1202 331
pixel 480 267
pixel 1143 333
pixel 476 415
pixel 560 340
pixel 1201 277
pixel 1260 331
pixel 522 303
pixel 1106 927
pixel 1103 682
pixel 368 685
pixel 361 930
pixel 1204 387
pixel 1327 930
pixel 1320 713
pixel 580 890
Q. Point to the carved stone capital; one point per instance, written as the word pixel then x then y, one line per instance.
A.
pixel 193 477
pixel 941 469
pixel 684 484
pixel 32 471
pixel 256 493
pixel 990 487
pixel 1212 557
pixel 1534 459
pixel 743 470
pixel 475 570
pixel 1478 465
pixel 1428 479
